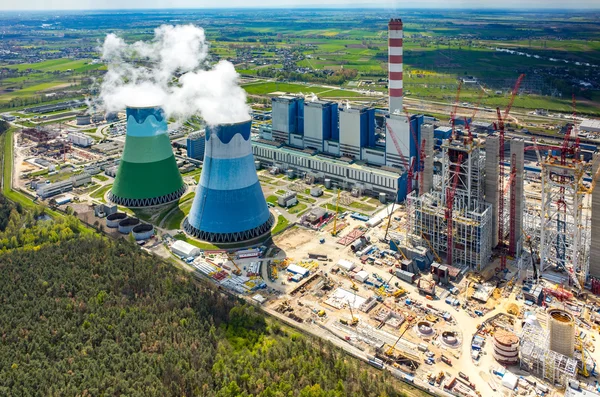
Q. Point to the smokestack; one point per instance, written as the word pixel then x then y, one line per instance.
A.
pixel 395 65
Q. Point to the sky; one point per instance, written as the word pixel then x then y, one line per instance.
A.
pixel 8 5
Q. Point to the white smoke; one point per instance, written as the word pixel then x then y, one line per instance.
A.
pixel 171 71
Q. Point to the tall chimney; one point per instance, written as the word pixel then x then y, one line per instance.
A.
pixel 395 65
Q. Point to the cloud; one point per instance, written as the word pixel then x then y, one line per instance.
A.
pixel 171 71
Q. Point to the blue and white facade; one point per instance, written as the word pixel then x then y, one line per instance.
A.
pixel 287 118
pixel 229 205
pixel 195 145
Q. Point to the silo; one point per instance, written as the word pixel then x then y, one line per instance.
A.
pixel 561 329
pixel 148 173
pixel 229 205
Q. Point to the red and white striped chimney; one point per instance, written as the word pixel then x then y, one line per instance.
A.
pixel 395 65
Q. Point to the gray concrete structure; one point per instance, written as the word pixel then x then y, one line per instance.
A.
pixel 594 269
pixel 427 135
pixel 517 147
pixel 492 170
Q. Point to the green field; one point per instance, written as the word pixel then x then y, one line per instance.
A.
pixel 297 208
pixel 100 193
pixel 282 223
pixel 58 65
pixel 174 219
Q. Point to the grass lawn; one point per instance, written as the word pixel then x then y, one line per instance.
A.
pixel 331 207
pixel 99 194
pixel 307 199
pixel 272 199
pixel 280 192
pixel 174 219
pixel 282 223
pixel 361 206
pixel 297 208
pixel 100 177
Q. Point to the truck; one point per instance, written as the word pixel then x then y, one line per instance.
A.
pixel 452 301
pixel 446 360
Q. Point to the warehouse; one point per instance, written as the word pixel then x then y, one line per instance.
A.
pixel 183 249
pixel 298 270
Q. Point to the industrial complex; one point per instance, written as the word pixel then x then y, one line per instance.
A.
pixel 463 258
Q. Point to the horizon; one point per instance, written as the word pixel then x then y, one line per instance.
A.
pixel 410 5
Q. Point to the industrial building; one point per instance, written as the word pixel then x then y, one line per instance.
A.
pixel 83 119
pixel 148 173
pixel 319 140
pixel 229 205
pixel 45 190
pixel 195 144
pixel 80 139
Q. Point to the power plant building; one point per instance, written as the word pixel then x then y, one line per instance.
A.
pixel 287 117
pixel 148 173
pixel 229 205
pixel 195 145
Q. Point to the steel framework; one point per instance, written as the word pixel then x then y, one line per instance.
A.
pixel 463 165
pixel 564 231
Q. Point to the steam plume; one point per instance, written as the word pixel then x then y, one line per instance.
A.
pixel 171 71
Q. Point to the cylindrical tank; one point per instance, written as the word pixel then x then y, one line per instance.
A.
pixel 113 220
pixel 257 165
pixel 143 231
pixel 83 119
pixel 382 198
pixel 127 225
pixel 229 205
pixel 327 183
pixel 148 173
pixel 424 328
pixel 506 347
pixel 561 328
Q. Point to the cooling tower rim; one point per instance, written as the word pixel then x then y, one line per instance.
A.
pixel 560 316
pixel 144 107
pixel 230 124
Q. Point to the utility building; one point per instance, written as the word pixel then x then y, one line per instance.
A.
pixel 357 130
pixel 320 125
pixel 195 145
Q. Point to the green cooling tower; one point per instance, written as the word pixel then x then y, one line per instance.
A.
pixel 148 173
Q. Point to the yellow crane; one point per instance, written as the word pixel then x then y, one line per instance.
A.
pixel 437 257
pixel 337 203
pixel 390 351
pixel 583 371
pixel 237 271
pixel 399 250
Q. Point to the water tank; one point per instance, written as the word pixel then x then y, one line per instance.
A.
pixel 561 328
pixel 328 183
pixel 127 225
pixel 382 198
pixel 113 220
pixel 143 231
pixel 148 173
pixel 229 205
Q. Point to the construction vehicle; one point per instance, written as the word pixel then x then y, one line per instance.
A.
pixel 335 231
pixel 446 360
pixel 354 287
pixel 237 271
pixel 390 352
pixel 321 313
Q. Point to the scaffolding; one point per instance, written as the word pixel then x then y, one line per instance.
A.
pixel 471 215
pixel 542 362
pixel 564 231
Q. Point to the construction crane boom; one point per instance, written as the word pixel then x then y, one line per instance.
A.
pixel 390 351
pixel 337 202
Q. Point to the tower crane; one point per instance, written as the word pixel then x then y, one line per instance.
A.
pixel 437 257
pixel 500 127
pixel 450 193
pixel 475 110
pixel 418 169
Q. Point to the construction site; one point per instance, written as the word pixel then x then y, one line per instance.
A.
pixel 465 263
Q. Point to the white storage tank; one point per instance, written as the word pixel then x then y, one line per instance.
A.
pixel 561 328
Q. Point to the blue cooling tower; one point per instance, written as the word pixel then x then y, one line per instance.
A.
pixel 229 205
